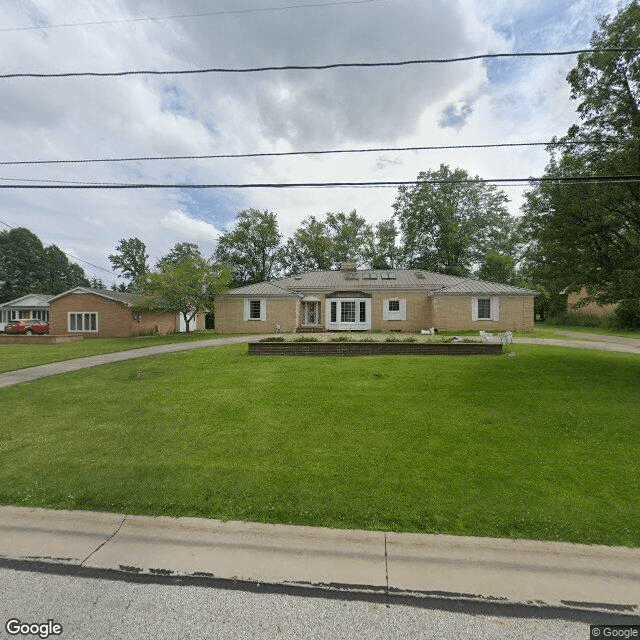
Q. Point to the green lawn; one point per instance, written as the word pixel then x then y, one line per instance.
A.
pixel 19 356
pixel 542 445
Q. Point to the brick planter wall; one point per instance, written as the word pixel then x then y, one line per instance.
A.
pixel 370 348
pixel 46 339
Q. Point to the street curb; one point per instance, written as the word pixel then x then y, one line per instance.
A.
pixel 588 613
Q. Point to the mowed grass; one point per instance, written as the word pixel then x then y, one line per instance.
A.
pixel 541 445
pixel 20 356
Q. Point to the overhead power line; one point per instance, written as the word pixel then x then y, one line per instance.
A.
pixel 189 15
pixel 273 154
pixel 320 67
pixel 52 184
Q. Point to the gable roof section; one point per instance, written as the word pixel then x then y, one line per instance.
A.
pixel 29 301
pixel 117 296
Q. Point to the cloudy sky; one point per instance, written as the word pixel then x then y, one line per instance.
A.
pixel 480 102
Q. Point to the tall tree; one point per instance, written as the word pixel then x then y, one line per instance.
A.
pixel 180 252
pixel 186 286
pixel 30 267
pixel 349 234
pixel 131 258
pixel 309 249
pixel 449 224
pixel 588 234
pixel 252 248
pixel 381 250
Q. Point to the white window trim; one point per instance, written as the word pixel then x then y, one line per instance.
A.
pixel 83 313
pixel 263 310
pixel 401 314
pixel 348 326
pixel 494 311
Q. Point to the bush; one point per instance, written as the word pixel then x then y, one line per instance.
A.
pixel 273 339
pixel 339 339
pixel 581 320
pixel 305 339
pixel 627 314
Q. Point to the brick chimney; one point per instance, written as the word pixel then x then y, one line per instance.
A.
pixel 348 265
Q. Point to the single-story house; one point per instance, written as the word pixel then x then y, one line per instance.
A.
pixel 101 313
pixel 34 306
pixel 349 299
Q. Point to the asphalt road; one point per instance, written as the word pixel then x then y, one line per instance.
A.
pixel 100 609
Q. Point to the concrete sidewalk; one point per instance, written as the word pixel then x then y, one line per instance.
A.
pixel 65 366
pixel 554 574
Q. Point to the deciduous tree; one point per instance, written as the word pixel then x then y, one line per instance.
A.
pixel 131 258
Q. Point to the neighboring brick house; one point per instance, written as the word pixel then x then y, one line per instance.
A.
pixel 100 313
pixel 34 306
pixel 374 300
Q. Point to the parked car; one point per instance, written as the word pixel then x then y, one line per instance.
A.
pixel 28 327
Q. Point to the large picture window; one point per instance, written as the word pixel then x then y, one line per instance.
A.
pixel 83 322
pixel 351 314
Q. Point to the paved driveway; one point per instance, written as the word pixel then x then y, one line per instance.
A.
pixel 32 373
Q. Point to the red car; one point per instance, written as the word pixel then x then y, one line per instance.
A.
pixel 28 327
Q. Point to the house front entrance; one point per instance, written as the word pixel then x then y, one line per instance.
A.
pixel 311 314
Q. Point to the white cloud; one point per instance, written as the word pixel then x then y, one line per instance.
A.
pixel 188 229
pixel 501 101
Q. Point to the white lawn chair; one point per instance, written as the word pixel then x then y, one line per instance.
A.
pixel 506 338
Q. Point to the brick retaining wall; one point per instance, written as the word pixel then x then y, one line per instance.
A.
pixel 370 348
pixel 46 339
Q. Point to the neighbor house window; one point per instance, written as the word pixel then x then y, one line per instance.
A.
pixel 83 322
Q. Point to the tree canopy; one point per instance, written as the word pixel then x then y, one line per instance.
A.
pixel 131 258
pixel 184 282
pixel 449 224
pixel 588 234
pixel 252 249
pixel 27 266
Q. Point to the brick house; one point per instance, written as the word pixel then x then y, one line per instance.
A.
pixel 349 299
pixel 100 313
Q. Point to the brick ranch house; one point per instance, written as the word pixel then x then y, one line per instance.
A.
pixel 100 313
pixel 374 300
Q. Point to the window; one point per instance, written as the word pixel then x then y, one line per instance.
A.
pixel 83 322
pixel 394 309
pixel 254 309
pixel 484 309
pixel 348 311
pixel 351 314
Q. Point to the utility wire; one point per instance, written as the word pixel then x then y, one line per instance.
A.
pixel 323 185
pixel 190 15
pixel 44 244
pixel 313 152
pixel 322 67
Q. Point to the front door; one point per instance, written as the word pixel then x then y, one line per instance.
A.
pixel 310 314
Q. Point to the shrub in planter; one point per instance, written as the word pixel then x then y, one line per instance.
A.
pixel 305 339
pixel 273 339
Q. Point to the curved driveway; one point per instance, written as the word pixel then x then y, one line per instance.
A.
pixel 41 371
pixel 582 341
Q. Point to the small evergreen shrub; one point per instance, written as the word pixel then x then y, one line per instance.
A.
pixel 273 339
